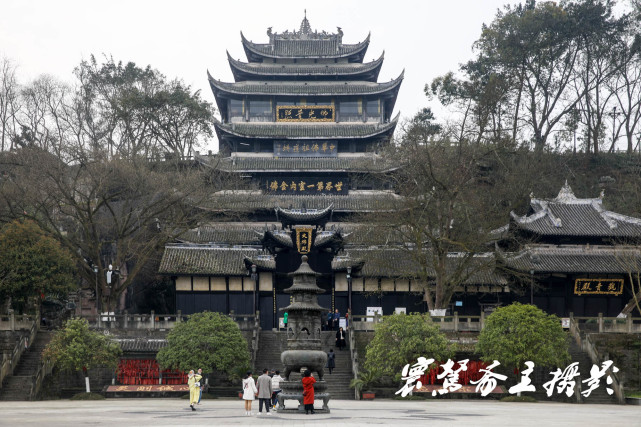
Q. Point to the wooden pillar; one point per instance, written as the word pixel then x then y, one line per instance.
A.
pixel 456 321
pixel 600 320
pixel 153 319
pixel 628 321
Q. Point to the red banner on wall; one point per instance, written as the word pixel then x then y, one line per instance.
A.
pixel 139 388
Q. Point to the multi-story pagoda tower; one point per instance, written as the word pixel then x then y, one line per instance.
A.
pixel 305 113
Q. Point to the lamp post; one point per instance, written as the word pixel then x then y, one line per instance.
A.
pixel 349 290
pixel 254 277
pixel 532 287
pixel 95 270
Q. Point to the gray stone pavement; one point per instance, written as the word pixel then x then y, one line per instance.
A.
pixel 175 412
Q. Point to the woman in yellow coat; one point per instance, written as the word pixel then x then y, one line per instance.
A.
pixel 194 388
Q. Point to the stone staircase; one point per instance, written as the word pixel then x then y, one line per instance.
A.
pixel 272 344
pixel 598 396
pixel 18 386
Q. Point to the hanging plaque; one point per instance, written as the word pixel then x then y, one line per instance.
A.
pixel 307 185
pixel 305 149
pixel 303 239
pixel 598 287
pixel 305 113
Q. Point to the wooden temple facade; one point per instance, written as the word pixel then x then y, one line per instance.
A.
pixel 300 131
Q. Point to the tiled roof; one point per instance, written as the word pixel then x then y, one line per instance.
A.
pixel 308 88
pixel 234 233
pixel 137 345
pixel 226 233
pixel 251 201
pixel 394 262
pixel 306 130
pixel 301 70
pixel 262 261
pixel 575 259
pixel 298 215
pixel 205 260
pixel 293 164
pixel 378 262
pixel 566 215
pixel 305 48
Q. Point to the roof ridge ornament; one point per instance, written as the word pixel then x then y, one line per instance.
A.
pixel 566 195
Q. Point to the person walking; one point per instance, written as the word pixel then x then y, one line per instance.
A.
pixel 331 362
pixel 264 385
pixel 276 379
pixel 202 384
pixel 330 320
pixel 193 381
pixel 249 392
pixel 337 320
pixel 308 391
pixel 340 339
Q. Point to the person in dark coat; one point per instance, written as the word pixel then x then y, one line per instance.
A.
pixel 331 362
pixel 308 391
pixel 340 339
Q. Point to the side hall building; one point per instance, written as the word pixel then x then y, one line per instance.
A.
pixel 300 132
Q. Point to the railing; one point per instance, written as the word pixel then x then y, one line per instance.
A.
pixel 135 321
pixel 603 324
pixel 453 323
pixel 354 356
pixel 44 368
pixel 14 322
pixel 587 345
pixel 617 385
pixel 155 321
pixel 11 360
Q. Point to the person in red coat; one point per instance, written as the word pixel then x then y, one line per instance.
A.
pixel 308 391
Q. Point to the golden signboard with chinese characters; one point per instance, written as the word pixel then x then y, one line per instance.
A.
pixel 306 149
pixel 305 113
pixel 303 239
pixel 598 287
pixel 307 185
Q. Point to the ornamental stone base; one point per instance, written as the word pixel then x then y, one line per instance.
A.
pixel 293 390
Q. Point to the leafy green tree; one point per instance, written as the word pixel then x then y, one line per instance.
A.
pixel 32 263
pixel 76 347
pixel 401 339
pixel 211 341
pixel 521 332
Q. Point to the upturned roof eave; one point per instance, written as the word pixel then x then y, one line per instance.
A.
pixel 241 70
pixel 228 129
pixel 252 50
pixel 231 89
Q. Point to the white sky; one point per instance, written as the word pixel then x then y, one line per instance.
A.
pixel 184 39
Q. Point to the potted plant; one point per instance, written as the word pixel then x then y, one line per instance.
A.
pixel 363 383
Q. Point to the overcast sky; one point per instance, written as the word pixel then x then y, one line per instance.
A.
pixel 185 39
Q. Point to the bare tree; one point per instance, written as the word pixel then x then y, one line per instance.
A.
pixel 9 103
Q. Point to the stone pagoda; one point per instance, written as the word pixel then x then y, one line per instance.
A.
pixel 303 339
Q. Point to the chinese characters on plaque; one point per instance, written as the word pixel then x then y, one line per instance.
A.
pixel 598 287
pixel 563 381
pixel 305 113
pixel 304 239
pixel 307 185
pixel 305 149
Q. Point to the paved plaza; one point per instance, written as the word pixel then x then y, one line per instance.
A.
pixel 175 412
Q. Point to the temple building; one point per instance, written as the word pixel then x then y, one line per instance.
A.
pixel 300 133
